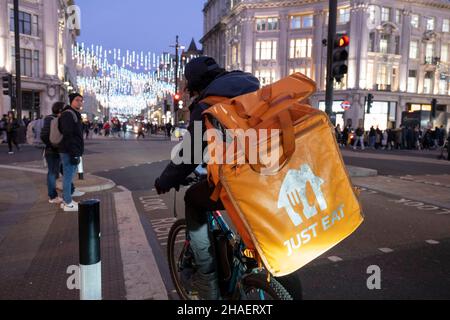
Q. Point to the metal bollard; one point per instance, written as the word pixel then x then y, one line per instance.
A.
pixel 81 169
pixel 90 260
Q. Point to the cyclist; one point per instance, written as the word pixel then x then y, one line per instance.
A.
pixel 205 78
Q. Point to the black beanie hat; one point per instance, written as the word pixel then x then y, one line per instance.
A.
pixel 72 96
pixel 197 70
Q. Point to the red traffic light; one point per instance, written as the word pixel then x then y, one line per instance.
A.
pixel 343 41
pixel 176 97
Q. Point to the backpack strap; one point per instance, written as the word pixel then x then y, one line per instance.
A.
pixel 212 100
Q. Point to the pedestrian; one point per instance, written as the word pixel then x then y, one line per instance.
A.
pixel 140 131
pixel 71 147
pixel 124 129
pixel 51 154
pixel 417 137
pixel 26 121
pixel 448 145
pixel 119 128
pixel 107 128
pixel 441 136
pixel 338 133
pixel 359 138
pixel 12 127
pixel 86 128
pixel 378 138
pixel 384 140
pixel 169 129
pixel 345 135
pixel 372 137
pixel 3 129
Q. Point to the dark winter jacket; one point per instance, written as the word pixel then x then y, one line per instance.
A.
pixel 229 85
pixel 72 142
pixel 12 127
pixel 45 135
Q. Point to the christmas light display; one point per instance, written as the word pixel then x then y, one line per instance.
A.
pixel 128 83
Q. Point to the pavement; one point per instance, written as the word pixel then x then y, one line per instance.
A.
pixel 39 242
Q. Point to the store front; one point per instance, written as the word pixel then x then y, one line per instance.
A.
pixel 337 108
pixel 382 115
pixel 421 113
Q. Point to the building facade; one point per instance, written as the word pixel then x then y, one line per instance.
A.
pixel 46 39
pixel 399 52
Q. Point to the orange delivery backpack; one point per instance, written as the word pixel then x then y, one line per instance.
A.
pixel 291 211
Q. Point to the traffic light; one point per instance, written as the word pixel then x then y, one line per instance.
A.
pixel 7 85
pixel 340 57
pixel 176 100
pixel 433 108
pixel 369 102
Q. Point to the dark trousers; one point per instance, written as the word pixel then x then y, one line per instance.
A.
pixel 12 139
pixel 198 203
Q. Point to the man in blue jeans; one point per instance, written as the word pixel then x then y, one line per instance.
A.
pixel 71 147
pixel 52 154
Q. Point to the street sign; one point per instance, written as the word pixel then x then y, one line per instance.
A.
pixel 346 105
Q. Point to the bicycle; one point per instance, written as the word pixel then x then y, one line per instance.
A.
pixel 240 277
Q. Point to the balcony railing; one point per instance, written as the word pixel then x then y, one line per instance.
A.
pixel 383 87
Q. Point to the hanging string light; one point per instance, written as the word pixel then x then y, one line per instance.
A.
pixel 125 84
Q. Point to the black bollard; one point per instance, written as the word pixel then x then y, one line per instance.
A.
pixel 90 259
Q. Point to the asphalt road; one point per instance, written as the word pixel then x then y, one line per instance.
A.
pixel 410 246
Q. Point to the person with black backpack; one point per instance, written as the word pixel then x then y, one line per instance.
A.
pixel 52 154
pixel 359 138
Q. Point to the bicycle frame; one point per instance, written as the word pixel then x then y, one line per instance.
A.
pixel 239 266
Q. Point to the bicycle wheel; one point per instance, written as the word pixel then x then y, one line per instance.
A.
pixel 256 287
pixel 180 258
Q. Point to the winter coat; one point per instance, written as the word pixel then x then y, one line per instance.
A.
pixel 229 85
pixel 73 141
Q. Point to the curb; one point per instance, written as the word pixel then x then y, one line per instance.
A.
pixel 108 185
pixel 381 190
pixel 358 172
pixel 143 279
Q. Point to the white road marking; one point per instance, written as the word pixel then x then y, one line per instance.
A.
pixel 386 250
pixel 143 279
pixel 335 259
pixel 432 242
